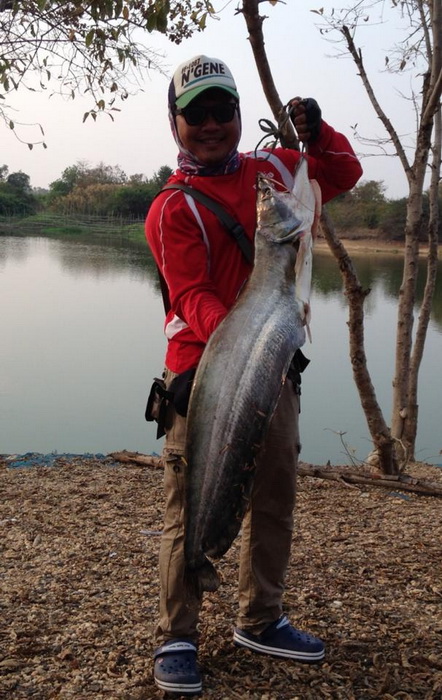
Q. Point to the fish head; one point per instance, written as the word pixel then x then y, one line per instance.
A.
pixel 277 218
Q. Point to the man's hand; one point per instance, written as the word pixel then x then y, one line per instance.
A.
pixel 306 117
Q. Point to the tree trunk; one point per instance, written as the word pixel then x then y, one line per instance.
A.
pixel 411 420
pixel 431 110
pixel 254 22
pixel 405 318
pixel 405 408
pixel 379 431
pixel 429 24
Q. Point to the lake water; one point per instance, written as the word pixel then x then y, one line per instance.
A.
pixel 81 340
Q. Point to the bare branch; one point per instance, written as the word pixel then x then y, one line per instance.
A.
pixel 435 87
pixel 357 57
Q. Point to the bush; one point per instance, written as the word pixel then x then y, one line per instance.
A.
pixel 15 202
pixel 132 200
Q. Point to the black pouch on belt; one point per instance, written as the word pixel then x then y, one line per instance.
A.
pixel 180 387
pixel 157 404
pixel 297 366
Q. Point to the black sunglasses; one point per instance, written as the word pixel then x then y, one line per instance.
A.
pixel 195 115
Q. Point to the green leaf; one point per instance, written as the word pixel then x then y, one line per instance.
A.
pixel 89 37
pixel 203 20
pixel 162 21
pixel 11 124
pixel 151 22
pixel 30 146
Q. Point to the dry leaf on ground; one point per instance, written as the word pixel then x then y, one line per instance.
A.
pixel 79 589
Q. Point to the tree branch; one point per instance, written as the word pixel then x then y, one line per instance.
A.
pixel 357 57
pixel 400 482
pixel 254 24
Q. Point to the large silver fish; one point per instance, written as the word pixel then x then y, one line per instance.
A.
pixel 239 379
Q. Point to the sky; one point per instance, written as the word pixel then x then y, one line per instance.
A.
pixel 303 63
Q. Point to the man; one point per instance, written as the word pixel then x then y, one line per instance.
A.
pixel 204 270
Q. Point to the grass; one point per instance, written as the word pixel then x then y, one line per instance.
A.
pixel 60 226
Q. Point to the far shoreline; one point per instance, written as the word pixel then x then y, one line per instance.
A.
pixel 361 241
pixel 369 245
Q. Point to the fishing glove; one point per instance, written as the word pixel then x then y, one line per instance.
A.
pixel 313 118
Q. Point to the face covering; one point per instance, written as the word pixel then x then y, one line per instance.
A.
pixel 190 165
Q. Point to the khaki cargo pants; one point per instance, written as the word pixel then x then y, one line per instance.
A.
pixel 266 532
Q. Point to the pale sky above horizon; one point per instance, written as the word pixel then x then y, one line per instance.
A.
pixel 302 62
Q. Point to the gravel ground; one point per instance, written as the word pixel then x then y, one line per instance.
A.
pixel 79 588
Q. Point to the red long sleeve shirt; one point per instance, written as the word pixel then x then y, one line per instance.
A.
pixel 202 265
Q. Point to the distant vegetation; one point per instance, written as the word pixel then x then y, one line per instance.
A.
pixel 84 192
pixel 82 201
pixel 16 196
pixel 103 190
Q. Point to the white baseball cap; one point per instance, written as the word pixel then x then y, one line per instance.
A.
pixel 196 75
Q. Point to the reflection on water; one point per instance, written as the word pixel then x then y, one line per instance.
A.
pixel 13 249
pixel 82 339
pixel 81 335
pixel 375 271
pixel 98 261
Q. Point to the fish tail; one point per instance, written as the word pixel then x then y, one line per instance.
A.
pixel 203 578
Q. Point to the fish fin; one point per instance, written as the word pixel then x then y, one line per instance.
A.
pixel 204 578
pixel 318 207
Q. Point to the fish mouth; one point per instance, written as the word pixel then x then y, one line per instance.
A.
pixel 290 227
pixel 267 186
pixel 265 189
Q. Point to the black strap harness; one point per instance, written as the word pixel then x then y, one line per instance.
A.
pixel 233 227
pixel 230 224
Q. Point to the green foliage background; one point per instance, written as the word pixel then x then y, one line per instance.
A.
pixel 106 191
